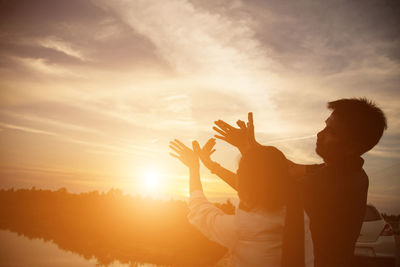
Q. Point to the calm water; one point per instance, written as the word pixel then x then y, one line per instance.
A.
pixel 18 250
pixel 61 229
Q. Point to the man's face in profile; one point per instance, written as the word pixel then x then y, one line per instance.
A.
pixel 330 141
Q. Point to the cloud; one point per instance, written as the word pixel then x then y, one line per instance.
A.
pixel 327 36
pixel 131 75
pixel 25 129
pixel 73 34
pixel 62 47
pixel 41 66
pixel 192 40
pixel 100 146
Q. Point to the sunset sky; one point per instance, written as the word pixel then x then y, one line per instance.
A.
pixel 91 92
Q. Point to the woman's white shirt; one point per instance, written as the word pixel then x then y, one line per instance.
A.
pixel 253 238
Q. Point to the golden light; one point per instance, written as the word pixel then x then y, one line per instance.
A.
pixel 151 181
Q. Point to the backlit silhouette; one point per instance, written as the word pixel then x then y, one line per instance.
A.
pixel 335 192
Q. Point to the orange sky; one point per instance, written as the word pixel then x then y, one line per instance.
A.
pixel 91 92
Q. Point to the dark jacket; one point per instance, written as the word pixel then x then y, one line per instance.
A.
pixel 335 199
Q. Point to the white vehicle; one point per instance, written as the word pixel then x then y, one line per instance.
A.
pixel 376 241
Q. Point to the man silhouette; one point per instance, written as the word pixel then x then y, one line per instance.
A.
pixel 334 193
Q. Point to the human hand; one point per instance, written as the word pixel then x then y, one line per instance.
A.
pixel 205 152
pixel 242 137
pixel 186 155
pixel 250 129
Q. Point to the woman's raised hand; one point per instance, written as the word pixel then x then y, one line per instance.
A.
pixel 186 155
pixel 206 151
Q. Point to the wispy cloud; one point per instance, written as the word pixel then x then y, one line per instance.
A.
pixel 211 50
pixel 40 65
pixel 26 129
pixel 123 149
pixel 62 47
pixel 118 79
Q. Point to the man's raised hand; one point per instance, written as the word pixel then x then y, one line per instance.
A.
pixel 234 136
pixel 242 137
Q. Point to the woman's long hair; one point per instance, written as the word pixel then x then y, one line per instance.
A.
pixel 263 179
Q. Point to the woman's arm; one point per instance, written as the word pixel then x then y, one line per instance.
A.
pixel 205 155
pixel 204 215
pixel 188 157
pixel 194 180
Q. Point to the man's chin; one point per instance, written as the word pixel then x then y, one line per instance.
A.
pixel 328 156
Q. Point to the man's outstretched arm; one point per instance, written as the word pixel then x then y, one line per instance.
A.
pixel 243 138
pixel 226 175
pixel 297 171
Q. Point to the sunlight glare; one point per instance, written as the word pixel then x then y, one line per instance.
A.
pixel 151 180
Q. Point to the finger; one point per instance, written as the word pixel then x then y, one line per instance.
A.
pixel 219 131
pixel 178 143
pixel 241 124
pixel 175 145
pixel 175 149
pixel 251 135
pixel 212 151
pixel 181 144
pixel 210 144
pixel 221 137
pixel 250 123
pixel 250 126
pixel 210 140
pixel 250 118
pixel 175 156
pixel 223 125
pixel 196 146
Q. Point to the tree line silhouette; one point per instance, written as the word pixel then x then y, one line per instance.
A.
pixel 110 226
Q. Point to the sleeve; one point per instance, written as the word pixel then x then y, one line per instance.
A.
pixel 210 220
pixel 311 189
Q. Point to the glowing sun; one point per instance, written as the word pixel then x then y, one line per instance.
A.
pixel 151 180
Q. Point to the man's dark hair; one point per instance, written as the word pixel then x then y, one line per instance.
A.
pixel 363 120
pixel 263 178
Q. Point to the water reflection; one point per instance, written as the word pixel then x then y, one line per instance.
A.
pixel 17 250
pixel 110 227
